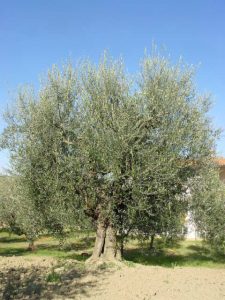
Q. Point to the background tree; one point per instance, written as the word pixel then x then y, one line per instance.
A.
pixel 207 204
pixel 38 139
pixel 8 205
pixel 17 211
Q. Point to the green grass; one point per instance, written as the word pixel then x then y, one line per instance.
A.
pixel 53 277
pixel 47 246
pixel 184 253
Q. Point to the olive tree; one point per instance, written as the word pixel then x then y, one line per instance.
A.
pixel 8 204
pixel 141 146
pixel 17 210
pixel 94 143
pixel 40 155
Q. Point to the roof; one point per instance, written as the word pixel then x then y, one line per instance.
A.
pixel 220 161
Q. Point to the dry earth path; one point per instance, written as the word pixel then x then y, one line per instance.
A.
pixel 145 282
pixel 23 278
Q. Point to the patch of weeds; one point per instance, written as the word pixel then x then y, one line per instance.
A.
pixel 53 277
pixel 80 267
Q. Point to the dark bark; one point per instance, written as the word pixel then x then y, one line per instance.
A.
pixel 122 247
pixel 152 237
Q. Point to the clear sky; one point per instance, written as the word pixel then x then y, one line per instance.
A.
pixel 36 34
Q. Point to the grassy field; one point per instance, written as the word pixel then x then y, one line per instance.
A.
pixel 184 253
pixel 53 273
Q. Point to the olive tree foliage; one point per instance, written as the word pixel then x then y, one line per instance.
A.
pixel 28 216
pixel 8 204
pixel 39 128
pixel 95 144
pixel 207 203
pixel 18 214
pixel 146 145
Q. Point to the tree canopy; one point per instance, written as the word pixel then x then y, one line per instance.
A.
pixel 95 143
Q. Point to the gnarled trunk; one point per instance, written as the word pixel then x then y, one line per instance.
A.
pixel 99 241
pixel 105 244
pixel 111 250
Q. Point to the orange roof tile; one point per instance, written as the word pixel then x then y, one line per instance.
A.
pixel 220 161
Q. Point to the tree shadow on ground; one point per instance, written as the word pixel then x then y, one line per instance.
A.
pixel 198 256
pixel 8 239
pixel 45 250
pixel 79 257
pixel 33 283
pixel 82 244
pixel 79 245
pixel 69 250
pixel 16 251
pixel 199 249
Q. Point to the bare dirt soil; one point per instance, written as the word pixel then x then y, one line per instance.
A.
pixel 26 278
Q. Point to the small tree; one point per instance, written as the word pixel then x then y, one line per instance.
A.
pixel 166 222
pixel 17 211
pixel 8 204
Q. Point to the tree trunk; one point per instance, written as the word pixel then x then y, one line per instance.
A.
pixel 99 241
pixel 61 242
pixel 105 244
pixel 31 246
pixel 111 251
pixel 122 246
pixel 151 241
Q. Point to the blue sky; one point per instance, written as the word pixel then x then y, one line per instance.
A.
pixel 36 34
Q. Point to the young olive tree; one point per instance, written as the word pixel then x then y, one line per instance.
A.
pixel 92 142
pixel 8 204
pixel 17 210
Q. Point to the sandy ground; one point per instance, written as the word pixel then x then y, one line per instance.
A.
pixel 22 278
pixel 161 283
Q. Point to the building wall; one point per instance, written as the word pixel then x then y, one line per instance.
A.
pixel 192 233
